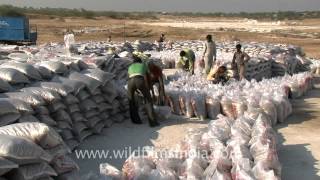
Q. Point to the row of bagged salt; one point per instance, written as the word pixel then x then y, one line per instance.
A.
pixel 185 98
pixel 44 155
pixel 229 149
pixel 58 105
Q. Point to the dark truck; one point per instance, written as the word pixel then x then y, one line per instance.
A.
pixel 17 30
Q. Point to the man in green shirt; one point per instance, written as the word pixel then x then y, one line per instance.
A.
pixel 186 61
pixel 138 80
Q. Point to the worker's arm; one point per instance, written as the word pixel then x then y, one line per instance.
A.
pixel 147 80
pixel 233 59
pixel 191 58
pixel 246 57
pixel 215 51
pixel 205 50
pixel 210 76
pixel 147 77
pixel 191 64
pixel 182 61
pixel 162 93
pixel 233 63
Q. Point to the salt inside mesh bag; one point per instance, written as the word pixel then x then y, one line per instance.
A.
pixel 110 171
pixel 39 133
pixel 21 150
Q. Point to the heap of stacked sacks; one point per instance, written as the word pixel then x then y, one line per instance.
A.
pixel 204 100
pixel 69 97
pixel 267 60
pixel 242 148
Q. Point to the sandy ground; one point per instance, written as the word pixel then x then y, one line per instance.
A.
pixel 299 139
pixel 241 25
pixel 127 137
pixel 305 33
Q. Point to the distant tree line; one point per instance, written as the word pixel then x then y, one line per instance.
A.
pixel 8 10
pixel 281 15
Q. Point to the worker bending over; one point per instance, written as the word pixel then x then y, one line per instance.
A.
pixel 218 75
pixel 155 76
pixel 239 62
pixel 138 80
pixel 186 61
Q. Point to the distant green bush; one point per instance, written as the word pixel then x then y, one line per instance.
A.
pixel 8 10
pixel 281 15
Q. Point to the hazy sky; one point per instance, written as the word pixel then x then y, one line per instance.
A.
pixel 175 5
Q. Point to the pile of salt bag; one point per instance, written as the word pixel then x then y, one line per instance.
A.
pixel 194 96
pixel 77 104
pixel 242 148
pixel 266 59
pixel 44 155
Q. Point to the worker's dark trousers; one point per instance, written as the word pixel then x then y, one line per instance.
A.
pixel 134 84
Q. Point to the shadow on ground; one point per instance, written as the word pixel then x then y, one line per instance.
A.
pixel 125 138
pixel 298 162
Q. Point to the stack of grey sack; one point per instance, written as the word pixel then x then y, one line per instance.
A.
pixel 19 107
pixel 71 103
pixel 258 69
pixel 87 105
pixel 112 102
pixel 142 46
pixel 16 75
pixel 65 95
pixel 52 67
pixel 103 97
pixel 61 109
pixel 118 66
pixel 115 69
pixel 55 112
pixel 303 64
pixel 278 69
pixel 34 151
pixel 49 98
pixel 93 62
pixel 9 114
pixel 127 47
